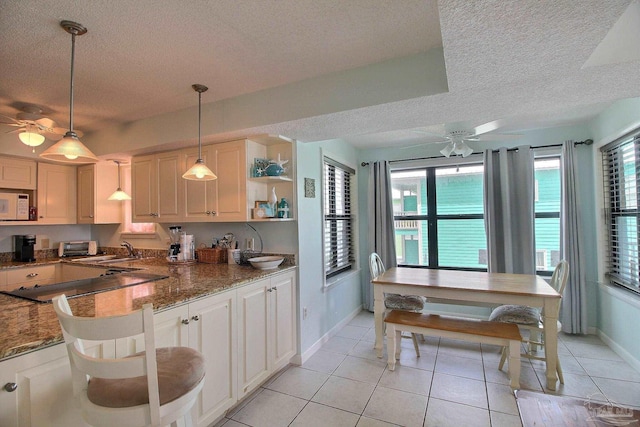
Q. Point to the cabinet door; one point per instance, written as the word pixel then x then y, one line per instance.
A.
pixel 168 176
pixel 231 169
pixel 44 394
pixel 86 194
pixel 31 276
pixel 213 332
pixel 170 329
pixel 200 197
pixel 283 314
pixel 56 194
pixel 17 173
pixel 253 336
pixel 144 206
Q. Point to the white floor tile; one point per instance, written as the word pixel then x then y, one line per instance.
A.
pixel 353 332
pixel 612 369
pixel 498 419
pixel 459 390
pixel 346 394
pixel 359 369
pixel 501 399
pixel 459 366
pixel 324 361
pixel 365 350
pixel 407 379
pixel 460 348
pixel 370 422
pixel 340 345
pixel 299 382
pixel 364 319
pixel 620 392
pixel 580 349
pixel 396 407
pixel 316 415
pixel 270 409
pixel 580 386
pixel 443 413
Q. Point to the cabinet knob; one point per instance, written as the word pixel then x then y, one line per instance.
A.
pixel 212 213
pixel 185 321
pixel 270 290
pixel 90 216
pixel 10 387
pixel 32 275
pixel 195 318
pixel 274 289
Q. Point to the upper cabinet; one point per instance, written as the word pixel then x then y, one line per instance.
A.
pixel 18 173
pixel 160 194
pixel 96 182
pixel 223 199
pixel 156 189
pixel 56 194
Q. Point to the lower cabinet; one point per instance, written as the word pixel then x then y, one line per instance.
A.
pixel 245 335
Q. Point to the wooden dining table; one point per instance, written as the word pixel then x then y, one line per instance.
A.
pixel 472 287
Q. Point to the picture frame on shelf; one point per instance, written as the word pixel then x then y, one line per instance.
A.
pixel 266 208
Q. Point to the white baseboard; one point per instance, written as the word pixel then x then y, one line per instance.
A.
pixel 326 337
pixel 624 354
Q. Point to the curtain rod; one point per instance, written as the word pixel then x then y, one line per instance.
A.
pixel 585 142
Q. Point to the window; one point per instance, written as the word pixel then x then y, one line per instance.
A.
pixel 338 220
pixel 621 170
pixel 439 216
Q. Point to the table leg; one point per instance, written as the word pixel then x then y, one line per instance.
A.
pixel 551 340
pixel 378 316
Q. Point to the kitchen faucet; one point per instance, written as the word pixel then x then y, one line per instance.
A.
pixel 129 247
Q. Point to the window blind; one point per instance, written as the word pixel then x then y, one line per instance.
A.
pixel 621 172
pixel 338 221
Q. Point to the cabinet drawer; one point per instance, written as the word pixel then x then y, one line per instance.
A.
pixel 31 275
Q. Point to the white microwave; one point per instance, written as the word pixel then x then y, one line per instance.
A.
pixel 14 207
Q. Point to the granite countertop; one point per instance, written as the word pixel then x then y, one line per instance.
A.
pixel 28 326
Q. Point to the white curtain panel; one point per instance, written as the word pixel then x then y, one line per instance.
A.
pixel 381 226
pixel 573 315
pixel 509 210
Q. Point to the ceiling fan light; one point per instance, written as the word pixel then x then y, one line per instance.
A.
pixel 69 150
pixel 466 150
pixel 199 172
pixel 448 149
pixel 32 139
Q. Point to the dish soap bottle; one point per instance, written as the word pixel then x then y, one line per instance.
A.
pixel 283 208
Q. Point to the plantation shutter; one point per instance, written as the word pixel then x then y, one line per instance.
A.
pixel 338 222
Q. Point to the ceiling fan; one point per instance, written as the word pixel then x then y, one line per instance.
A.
pixel 33 127
pixel 457 137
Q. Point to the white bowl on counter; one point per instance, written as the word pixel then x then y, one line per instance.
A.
pixel 266 262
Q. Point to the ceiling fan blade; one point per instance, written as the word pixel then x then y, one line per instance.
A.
pixel 14 122
pixel 14 131
pixel 498 137
pixel 46 122
pixel 488 127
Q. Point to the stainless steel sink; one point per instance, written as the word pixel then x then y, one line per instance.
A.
pixel 116 260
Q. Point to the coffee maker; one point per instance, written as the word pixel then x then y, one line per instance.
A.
pixel 175 232
pixel 24 246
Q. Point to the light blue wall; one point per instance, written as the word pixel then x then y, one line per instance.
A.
pixel 325 308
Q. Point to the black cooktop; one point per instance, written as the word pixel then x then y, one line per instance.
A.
pixel 78 288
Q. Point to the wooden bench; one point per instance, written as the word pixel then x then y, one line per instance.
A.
pixel 481 331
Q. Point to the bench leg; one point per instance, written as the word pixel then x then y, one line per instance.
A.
pixel 514 363
pixel 414 337
pixel 391 346
pixel 503 358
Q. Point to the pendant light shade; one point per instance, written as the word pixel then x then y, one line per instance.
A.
pixel 119 194
pixel 69 149
pixel 199 171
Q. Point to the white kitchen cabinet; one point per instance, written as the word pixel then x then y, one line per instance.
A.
pixel 30 276
pixel 156 187
pixel 18 173
pixel 56 194
pixel 96 182
pixel 223 199
pixel 43 393
pixel 266 329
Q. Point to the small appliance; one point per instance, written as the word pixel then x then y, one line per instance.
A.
pixel 24 247
pixel 14 207
pixel 79 248
pixel 175 232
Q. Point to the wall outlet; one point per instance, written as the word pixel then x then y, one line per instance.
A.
pixel 45 243
pixel 304 313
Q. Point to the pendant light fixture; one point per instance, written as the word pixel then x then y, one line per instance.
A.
pixel 69 149
pixel 119 195
pixel 199 171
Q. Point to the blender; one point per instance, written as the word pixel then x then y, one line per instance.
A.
pixel 175 231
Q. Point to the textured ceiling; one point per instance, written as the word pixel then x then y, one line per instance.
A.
pixel 518 60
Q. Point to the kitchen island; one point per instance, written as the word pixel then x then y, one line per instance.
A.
pixel 242 319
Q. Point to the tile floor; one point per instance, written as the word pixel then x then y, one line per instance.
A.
pixel 453 383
